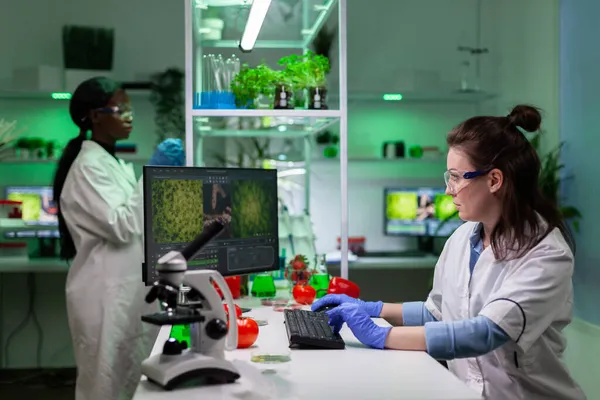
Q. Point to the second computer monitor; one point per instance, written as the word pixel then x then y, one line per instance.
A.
pixel 180 201
pixel 38 208
pixel 38 203
pixel 419 212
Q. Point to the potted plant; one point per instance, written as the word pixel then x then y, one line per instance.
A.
pixel 243 87
pixel 308 72
pixel 167 96
pixel 292 77
pixel 550 180
pixel 318 66
pixel 250 83
pixel 283 83
pixel 266 80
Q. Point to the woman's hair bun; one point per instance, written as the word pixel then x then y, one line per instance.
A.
pixel 526 117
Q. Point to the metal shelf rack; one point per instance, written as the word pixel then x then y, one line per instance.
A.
pixel 299 123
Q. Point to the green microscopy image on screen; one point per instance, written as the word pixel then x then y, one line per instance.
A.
pixel 177 210
pixel 401 205
pixel 31 207
pixel 251 203
pixel 444 207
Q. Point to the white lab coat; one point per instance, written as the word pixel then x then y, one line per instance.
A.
pixel 102 206
pixel 530 298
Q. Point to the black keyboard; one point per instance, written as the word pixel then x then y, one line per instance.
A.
pixel 310 330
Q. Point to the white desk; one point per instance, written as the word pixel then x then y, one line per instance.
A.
pixel 357 372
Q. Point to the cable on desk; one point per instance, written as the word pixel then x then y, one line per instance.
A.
pixel 36 322
pixel 23 324
pixel 53 379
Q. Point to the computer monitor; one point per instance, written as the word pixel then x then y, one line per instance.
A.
pixel 38 206
pixel 180 201
pixel 419 212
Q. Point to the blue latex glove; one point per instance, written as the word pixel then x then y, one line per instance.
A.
pixel 169 152
pixel 372 308
pixel 359 323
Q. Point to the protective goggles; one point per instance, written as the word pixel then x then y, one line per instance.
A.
pixel 456 180
pixel 124 112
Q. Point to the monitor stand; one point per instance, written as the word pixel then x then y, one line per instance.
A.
pixel 425 245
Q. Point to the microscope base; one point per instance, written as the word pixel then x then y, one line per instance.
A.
pixel 188 370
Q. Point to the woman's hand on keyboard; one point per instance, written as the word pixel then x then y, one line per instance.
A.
pixel 372 308
pixel 360 324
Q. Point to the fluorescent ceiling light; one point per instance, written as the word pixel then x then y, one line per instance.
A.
pixel 392 97
pixel 61 96
pixel 257 15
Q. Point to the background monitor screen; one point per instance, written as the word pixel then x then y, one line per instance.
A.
pixel 38 207
pixel 419 212
pixel 178 202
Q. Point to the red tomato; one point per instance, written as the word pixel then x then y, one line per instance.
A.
pixel 247 332
pixel 304 294
pixel 339 285
pixel 238 310
pixel 234 283
pixel 298 265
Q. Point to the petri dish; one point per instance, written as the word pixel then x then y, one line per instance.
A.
pixel 274 302
pixel 271 360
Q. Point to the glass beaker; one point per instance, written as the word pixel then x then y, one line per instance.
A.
pixel 263 286
pixel 320 282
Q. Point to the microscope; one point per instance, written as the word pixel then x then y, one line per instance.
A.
pixel 203 361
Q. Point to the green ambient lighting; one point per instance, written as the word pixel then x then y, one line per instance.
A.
pixel 392 97
pixel 61 96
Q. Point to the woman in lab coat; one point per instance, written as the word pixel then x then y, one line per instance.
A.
pixel 502 290
pixel 100 204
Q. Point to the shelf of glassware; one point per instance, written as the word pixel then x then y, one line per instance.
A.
pixel 263 122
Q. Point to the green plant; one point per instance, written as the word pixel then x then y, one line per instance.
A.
pixel 550 180
pixel 249 83
pixel 304 71
pixel 169 103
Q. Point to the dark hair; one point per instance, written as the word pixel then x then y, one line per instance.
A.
pixel 89 95
pixel 498 142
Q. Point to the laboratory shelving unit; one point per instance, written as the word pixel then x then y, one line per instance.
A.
pixel 298 123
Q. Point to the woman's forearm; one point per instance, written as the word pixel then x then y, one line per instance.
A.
pixel 392 313
pixel 406 338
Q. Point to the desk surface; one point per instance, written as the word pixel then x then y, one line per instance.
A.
pixel 40 265
pixel 357 372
